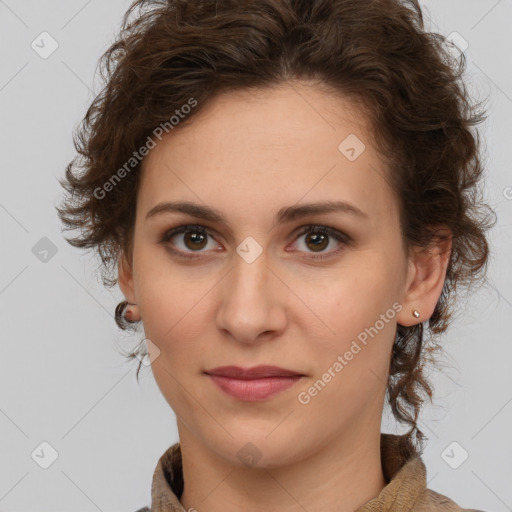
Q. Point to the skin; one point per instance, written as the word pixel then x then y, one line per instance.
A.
pixel 247 155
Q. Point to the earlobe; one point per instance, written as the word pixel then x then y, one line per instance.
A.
pixel 426 276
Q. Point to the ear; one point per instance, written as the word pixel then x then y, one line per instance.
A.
pixel 425 278
pixel 125 278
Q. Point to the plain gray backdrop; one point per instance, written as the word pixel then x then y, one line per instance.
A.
pixel 62 379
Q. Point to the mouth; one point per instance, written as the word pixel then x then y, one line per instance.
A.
pixel 253 384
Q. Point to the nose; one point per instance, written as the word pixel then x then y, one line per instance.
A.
pixel 251 308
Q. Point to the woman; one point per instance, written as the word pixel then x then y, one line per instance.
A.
pixel 285 192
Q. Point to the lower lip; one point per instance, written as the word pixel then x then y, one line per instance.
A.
pixel 254 390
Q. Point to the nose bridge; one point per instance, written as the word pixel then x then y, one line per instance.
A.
pixel 248 283
pixel 249 304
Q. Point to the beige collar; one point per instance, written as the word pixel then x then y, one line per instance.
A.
pixel 403 469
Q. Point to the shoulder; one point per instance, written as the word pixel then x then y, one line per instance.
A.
pixel 430 501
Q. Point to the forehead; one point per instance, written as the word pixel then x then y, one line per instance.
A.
pixel 269 148
pixel 275 117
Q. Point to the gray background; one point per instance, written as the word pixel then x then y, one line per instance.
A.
pixel 62 378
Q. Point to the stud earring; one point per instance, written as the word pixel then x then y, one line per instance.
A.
pixel 415 313
pixel 129 313
pixel 124 311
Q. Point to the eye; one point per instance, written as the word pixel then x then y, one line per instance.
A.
pixel 195 239
pixel 320 237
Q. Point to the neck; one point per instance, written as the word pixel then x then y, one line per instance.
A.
pixel 343 475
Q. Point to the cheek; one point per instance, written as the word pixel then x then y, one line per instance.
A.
pixel 352 364
pixel 173 315
pixel 360 309
pixel 355 298
pixel 158 281
pixel 172 302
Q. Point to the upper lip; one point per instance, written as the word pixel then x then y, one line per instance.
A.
pixel 256 372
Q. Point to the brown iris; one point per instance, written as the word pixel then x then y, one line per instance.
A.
pixel 319 240
pixel 198 239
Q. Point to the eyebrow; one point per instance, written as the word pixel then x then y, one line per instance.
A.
pixel 286 214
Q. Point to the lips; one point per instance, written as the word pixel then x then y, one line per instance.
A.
pixel 253 384
pixel 257 372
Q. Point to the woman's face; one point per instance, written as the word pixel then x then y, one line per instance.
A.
pixel 253 285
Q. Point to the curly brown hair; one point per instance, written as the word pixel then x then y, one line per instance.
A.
pixel 375 52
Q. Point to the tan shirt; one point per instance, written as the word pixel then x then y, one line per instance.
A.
pixel 405 472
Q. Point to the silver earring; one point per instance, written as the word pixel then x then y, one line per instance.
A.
pixel 415 313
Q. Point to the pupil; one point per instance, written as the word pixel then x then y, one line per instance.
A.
pixel 195 237
pixel 318 239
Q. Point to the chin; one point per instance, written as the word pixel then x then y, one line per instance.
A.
pixel 259 451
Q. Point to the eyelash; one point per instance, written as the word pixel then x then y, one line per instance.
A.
pixel 310 228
